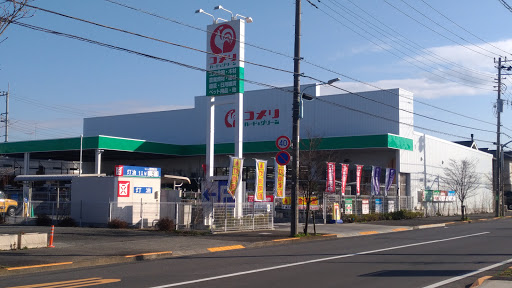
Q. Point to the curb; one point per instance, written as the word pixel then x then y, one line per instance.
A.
pixel 10 271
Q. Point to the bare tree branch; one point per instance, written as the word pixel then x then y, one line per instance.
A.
pixel 11 11
pixel 461 176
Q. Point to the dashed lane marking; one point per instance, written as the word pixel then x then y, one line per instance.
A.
pixel 147 254
pixel 71 283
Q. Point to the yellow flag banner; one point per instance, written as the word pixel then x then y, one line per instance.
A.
pixel 280 180
pixel 261 180
pixel 235 174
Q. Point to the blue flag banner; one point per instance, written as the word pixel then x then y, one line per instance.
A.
pixel 375 180
pixel 390 177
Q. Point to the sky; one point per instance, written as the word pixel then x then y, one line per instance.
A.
pixel 444 52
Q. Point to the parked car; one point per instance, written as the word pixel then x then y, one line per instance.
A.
pixel 7 205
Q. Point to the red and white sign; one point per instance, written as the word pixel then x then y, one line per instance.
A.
pixel 268 198
pixel 359 169
pixel 123 189
pixel 330 181
pixel 283 142
pixel 119 170
pixel 344 172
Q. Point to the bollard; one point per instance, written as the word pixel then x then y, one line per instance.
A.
pixel 51 238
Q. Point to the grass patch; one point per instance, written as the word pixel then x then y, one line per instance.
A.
pixel 507 273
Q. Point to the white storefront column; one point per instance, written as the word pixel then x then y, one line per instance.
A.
pixel 97 161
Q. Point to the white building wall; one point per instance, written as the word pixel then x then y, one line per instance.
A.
pixel 426 164
pixel 267 115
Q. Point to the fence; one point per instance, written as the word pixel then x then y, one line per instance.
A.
pixel 217 217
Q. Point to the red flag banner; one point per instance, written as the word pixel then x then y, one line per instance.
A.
pixel 359 170
pixel 344 173
pixel 330 181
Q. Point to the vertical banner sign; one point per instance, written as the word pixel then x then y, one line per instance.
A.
pixel 235 174
pixel 336 211
pixel 366 206
pixel 378 205
pixel 329 183
pixel 359 170
pixel 375 180
pixel 261 180
pixel 344 172
pixel 224 60
pixel 390 177
pixel 280 180
pixel 348 206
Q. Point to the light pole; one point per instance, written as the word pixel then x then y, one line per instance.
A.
pixel 297 115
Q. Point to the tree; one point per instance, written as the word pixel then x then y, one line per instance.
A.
pixel 312 165
pixel 12 11
pixel 461 176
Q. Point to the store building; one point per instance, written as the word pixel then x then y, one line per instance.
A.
pixel 374 128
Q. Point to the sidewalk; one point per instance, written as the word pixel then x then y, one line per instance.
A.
pixel 79 247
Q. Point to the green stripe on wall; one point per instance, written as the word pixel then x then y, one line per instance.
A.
pixel 133 145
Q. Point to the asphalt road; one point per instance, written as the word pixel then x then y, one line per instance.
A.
pixel 418 258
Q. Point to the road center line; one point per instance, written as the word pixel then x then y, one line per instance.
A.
pixel 314 261
pixel 468 274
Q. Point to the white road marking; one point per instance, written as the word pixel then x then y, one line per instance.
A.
pixel 468 274
pixel 312 261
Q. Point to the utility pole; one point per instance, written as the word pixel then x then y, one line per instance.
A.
pixel 5 119
pixel 499 109
pixel 296 123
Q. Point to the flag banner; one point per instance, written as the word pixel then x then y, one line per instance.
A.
pixel 235 174
pixel 330 182
pixel 344 172
pixel 359 170
pixel 390 177
pixel 375 180
pixel 280 180
pixel 261 180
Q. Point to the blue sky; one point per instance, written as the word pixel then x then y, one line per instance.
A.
pixel 442 52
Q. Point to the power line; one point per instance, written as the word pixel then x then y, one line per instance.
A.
pixel 438 33
pixel 41 29
pixel 444 28
pixel 152 38
pixel 506 5
pixel 291 57
pixel 469 32
pixel 390 51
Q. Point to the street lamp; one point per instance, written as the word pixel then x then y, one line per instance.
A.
pixel 304 96
pixel 234 17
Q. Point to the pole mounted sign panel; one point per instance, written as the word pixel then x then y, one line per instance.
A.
pixel 225 43
pixel 283 142
pixel 283 158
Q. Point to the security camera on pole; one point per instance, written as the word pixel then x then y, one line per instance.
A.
pixel 225 66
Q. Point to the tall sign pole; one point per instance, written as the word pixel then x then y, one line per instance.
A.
pixel 224 62
pixel 296 122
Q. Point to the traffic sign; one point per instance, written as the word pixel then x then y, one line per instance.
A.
pixel 283 158
pixel 283 142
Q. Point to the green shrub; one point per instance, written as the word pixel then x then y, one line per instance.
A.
pixel 165 224
pixel 398 215
pixel 117 224
pixel 43 220
pixel 67 222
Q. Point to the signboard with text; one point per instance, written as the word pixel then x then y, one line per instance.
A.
pixel 136 171
pixel 224 60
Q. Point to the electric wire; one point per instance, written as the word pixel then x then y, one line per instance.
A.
pixel 409 47
pixel 438 33
pixel 291 57
pixel 469 32
pixel 36 28
pixel 446 29
pixel 155 39
pixel 413 43
pixel 390 51
pixel 506 5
